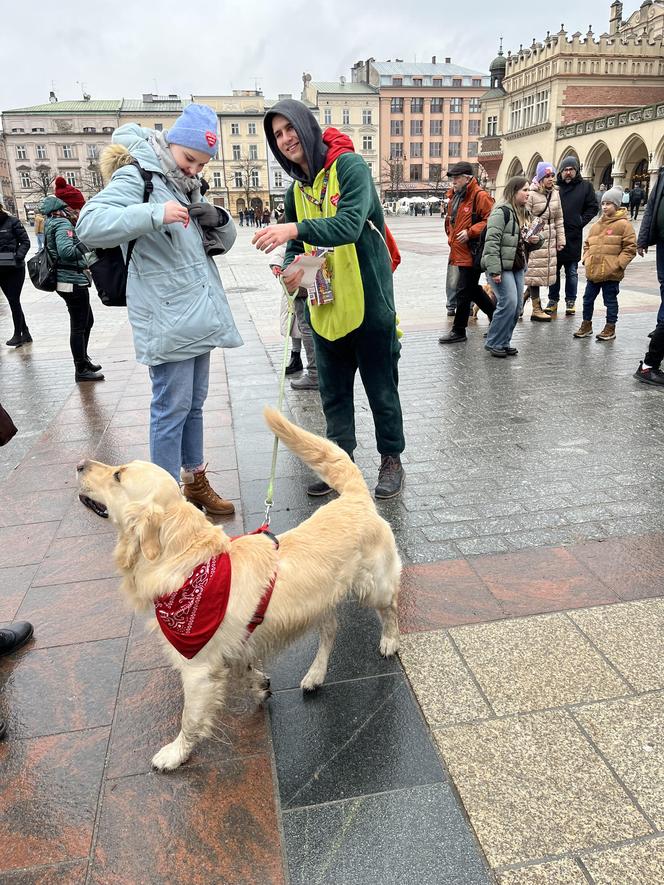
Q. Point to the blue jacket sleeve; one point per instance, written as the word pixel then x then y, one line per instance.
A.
pixel 117 214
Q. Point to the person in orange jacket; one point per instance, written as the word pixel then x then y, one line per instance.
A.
pixel 468 211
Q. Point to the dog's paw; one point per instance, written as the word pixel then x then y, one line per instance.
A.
pixel 389 645
pixel 169 757
pixel 311 683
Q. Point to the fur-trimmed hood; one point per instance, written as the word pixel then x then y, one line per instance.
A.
pixel 129 142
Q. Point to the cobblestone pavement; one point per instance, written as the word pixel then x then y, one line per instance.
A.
pixel 518 739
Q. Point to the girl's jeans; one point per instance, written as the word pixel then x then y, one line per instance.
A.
pixel 609 292
pixel 179 391
pixel 509 295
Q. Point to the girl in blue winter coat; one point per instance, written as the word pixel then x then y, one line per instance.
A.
pixel 175 299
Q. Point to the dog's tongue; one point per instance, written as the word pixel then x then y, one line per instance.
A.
pixel 99 509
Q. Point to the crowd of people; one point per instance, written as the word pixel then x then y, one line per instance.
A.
pixel 255 217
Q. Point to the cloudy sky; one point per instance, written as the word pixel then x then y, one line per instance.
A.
pixel 125 49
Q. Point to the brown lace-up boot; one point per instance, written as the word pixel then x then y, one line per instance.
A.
pixel 197 490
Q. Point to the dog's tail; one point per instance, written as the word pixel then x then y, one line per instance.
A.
pixel 329 461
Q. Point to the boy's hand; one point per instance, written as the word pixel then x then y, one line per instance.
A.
pixel 268 238
pixel 175 212
pixel 293 281
pixel 276 270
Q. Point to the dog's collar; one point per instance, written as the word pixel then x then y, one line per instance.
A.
pixel 190 615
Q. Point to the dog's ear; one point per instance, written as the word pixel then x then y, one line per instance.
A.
pixel 141 525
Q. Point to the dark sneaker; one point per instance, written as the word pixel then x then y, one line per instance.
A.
pixel 570 308
pixel 500 352
pixel 306 381
pixel 452 337
pixel 551 308
pixel 390 477
pixel 14 636
pixel 295 364
pixel 88 375
pixel 15 341
pixel 319 489
pixel 451 311
pixel 649 376
pixel 511 351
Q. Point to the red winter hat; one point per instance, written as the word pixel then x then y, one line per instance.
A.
pixel 68 193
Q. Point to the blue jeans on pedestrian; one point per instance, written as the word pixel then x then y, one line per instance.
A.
pixel 179 391
pixel 609 292
pixel 40 241
pixel 571 281
pixel 509 297
pixel 660 279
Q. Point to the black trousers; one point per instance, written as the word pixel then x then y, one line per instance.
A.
pixel 11 283
pixel 469 290
pixel 655 353
pixel 81 322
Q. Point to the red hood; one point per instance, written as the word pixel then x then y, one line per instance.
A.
pixel 337 144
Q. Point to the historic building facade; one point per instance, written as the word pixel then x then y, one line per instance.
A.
pixel 6 191
pixel 430 118
pixel 598 98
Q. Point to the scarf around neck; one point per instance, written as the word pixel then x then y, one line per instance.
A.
pixel 190 187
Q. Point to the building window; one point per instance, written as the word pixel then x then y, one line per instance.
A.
pixel 18 130
pixel 251 128
pixel 528 115
pixel 70 178
pixel 236 151
pixel 435 149
pixel 21 152
pixel 371 168
pixel 542 106
pixel 456 82
pixel 492 125
pixel 216 179
pixel 366 117
pixel 416 149
pixel 473 148
pixel 97 180
pixel 454 149
pixel 437 81
pixel 474 127
pixel 327 116
pixel 436 105
pixel 255 181
pixel 253 151
pixel 474 106
pixel 39 129
pixel 435 171
pixel 25 180
pixel 396 81
pixel 345 116
pixel 456 105
pixel 417 105
pixel 515 115
pixel 416 127
pixel 92 152
pixel 278 179
pixel 417 81
pixel 455 127
pixel 237 176
pixel 41 152
pixel 89 129
pixel 107 129
pixel 435 127
pixel 396 106
pixel 235 128
pixel 367 142
pixel 477 83
pixel 416 172
pixel 396 127
pixel 159 127
pixel 396 150
pixel 67 152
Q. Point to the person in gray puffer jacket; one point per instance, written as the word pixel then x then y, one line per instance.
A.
pixel 175 299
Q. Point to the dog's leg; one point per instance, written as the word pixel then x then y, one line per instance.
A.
pixel 259 684
pixel 389 638
pixel 327 631
pixel 204 692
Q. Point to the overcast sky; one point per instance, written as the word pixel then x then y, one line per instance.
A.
pixel 121 50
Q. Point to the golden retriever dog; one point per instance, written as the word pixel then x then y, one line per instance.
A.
pixel 345 548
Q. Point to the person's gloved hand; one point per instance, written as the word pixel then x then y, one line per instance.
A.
pixel 206 214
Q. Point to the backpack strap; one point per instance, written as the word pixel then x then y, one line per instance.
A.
pixel 148 187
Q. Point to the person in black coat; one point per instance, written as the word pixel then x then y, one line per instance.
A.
pixel 579 207
pixel 651 233
pixel 14 246
pixel 636 197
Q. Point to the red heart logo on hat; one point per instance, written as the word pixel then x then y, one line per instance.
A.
pixel 211 138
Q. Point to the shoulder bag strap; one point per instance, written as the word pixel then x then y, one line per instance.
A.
pixel 546 205
pixel 148 187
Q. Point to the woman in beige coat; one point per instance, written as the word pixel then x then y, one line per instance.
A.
pixel 544 205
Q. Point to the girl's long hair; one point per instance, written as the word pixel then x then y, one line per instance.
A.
pixel 510 191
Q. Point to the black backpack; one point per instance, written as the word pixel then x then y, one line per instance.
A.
pixel 110 268
pixel 43 270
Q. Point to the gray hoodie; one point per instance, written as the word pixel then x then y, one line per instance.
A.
pixel 309 133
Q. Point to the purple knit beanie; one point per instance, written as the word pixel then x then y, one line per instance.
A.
pixel 195 128
pixel 542 170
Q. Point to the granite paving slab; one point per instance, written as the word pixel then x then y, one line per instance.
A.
pixel 560 872
pixel 639 864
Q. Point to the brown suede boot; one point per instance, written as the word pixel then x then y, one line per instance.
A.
pixel 198 491
pixel 538 315
pixel 608 333
pixel 585 330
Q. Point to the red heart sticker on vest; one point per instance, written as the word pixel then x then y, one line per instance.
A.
pixel 211 138
pixel 334 200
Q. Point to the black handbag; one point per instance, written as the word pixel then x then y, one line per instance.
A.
pixel 43 270
pixel 7 427
pixel 109 268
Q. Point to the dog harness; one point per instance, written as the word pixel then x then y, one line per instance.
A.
pixel 190 615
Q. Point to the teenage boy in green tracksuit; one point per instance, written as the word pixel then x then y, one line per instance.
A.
pixel 333 203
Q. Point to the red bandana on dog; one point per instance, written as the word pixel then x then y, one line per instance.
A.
pixel 190 615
